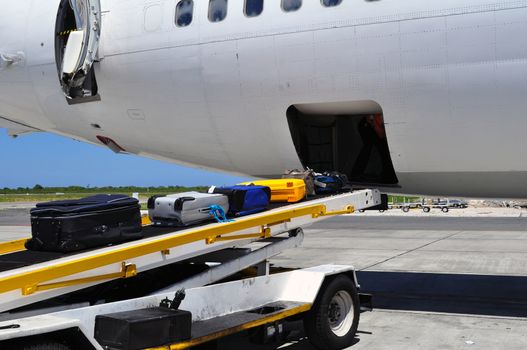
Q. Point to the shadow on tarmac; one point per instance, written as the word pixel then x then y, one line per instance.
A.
pixel 296 340
pixel 447 293
pixel 482 295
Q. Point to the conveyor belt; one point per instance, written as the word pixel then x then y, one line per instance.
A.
pixel 27 276
pixel 26 258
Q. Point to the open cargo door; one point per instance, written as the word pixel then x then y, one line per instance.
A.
pixel 348 137
pixel 77 44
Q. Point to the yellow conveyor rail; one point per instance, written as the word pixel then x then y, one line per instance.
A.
pixel 12 246
pixel 30 280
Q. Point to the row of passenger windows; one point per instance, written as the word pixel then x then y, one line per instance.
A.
pixel 252 8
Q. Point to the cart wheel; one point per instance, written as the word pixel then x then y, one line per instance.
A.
pixel 381 211
pixel 444 210
pixel 406 209
pixel 426 209
pixel 332 322
pixel 361 210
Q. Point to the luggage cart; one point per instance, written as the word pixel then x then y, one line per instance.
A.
pixel 218 309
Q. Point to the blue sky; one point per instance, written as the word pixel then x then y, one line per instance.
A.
pixel 51 160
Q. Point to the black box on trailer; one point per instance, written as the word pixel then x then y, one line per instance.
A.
pixel 144 328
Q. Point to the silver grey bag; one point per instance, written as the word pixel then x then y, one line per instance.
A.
pixel 307 175
pixel 184 209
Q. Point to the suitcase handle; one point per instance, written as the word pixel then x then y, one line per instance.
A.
pixel 320 184
pixel 151 204
pixel 101 229
pixel 178 204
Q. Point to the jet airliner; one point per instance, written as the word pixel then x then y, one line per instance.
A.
pixel 259 86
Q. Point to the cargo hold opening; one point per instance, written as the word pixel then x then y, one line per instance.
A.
pixel 345 136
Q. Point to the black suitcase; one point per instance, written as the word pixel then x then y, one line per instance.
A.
pixel 96 221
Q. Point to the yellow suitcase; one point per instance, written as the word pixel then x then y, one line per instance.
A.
pixel 283 190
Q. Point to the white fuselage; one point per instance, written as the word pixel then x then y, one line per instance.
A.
pixel 449 75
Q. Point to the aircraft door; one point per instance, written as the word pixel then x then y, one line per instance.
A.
pixel 76 48
pixel 348 137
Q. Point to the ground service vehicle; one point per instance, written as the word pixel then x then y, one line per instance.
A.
pixel 63 295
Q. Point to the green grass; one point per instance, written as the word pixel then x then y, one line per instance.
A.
pixel 47 194
pixel 31 197
pixel 402 199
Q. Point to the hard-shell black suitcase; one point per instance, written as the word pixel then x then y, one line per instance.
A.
pixel 96 221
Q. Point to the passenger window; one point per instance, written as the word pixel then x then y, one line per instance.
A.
pixel 217 10
pixel 184 12
pixel 253 8
pixel 291 5
pixel 331 3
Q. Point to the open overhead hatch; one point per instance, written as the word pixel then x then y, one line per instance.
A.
pixel 76 48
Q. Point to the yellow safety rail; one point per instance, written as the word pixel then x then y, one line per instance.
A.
pixel 12 246
pixel 28 281
pixel 127 271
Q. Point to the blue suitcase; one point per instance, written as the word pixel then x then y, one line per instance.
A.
pixel 245 200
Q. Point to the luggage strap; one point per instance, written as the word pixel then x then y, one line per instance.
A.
pixel 320 184
pixel 219 214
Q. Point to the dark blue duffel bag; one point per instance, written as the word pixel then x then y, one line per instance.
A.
pixel 245 200
pixel 95 221
pixel 330 183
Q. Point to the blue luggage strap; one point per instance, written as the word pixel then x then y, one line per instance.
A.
pixel 219 214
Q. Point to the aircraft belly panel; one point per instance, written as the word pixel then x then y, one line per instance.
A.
pixel 430 99
pixel 505 184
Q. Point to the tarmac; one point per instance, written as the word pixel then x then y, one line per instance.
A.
pixel 444 281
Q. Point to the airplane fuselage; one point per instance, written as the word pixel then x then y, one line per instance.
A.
pixel 448 77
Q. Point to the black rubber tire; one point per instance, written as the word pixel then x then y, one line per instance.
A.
pixel 45 346
pixel 444 210
pixel 316 322
pixel 426 209
pixel 406 209
pixel 361 210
